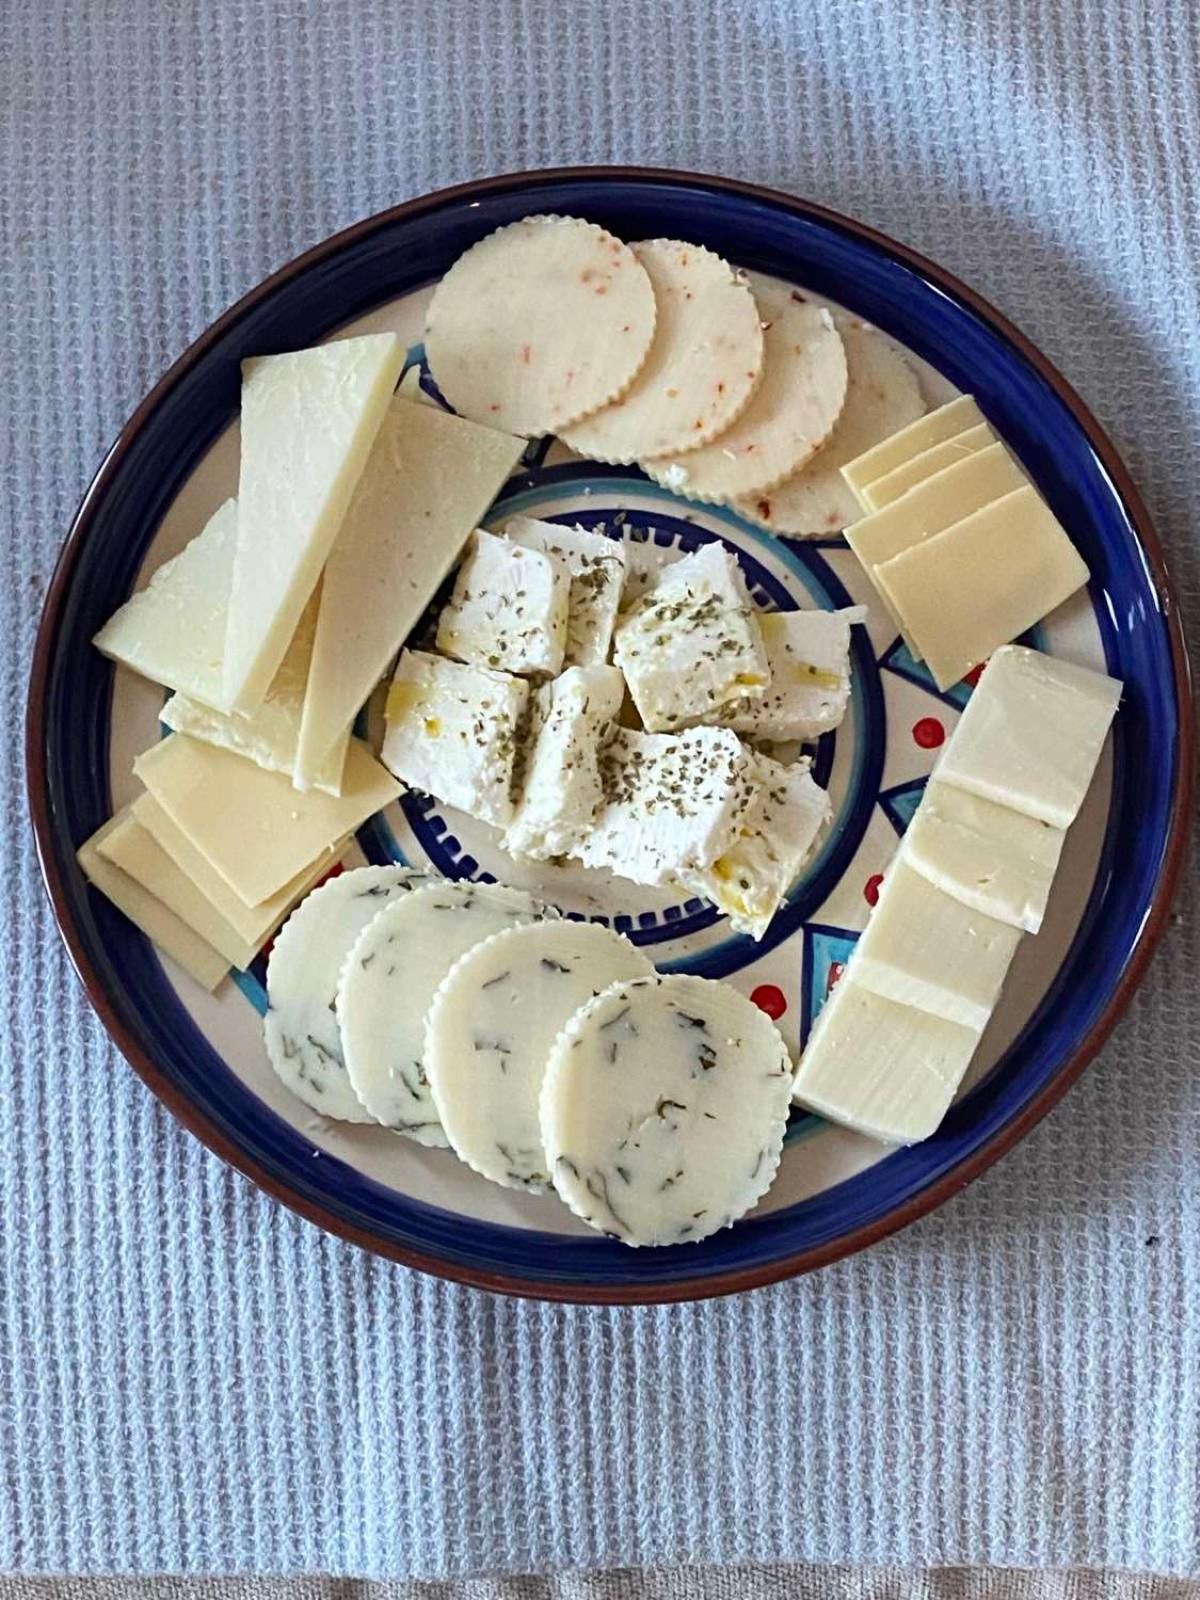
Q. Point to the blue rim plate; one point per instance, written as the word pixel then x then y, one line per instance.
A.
pixel 944 323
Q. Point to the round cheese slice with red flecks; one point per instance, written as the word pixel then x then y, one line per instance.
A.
pixel 388 982
pixel 540 324
pixel 303 1040
pixel 490 1029
pixel 882 396
pixel 704 363
pixel 663 1109
pixel 790 416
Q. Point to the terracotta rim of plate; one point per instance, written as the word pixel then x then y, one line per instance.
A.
pixel 919 1204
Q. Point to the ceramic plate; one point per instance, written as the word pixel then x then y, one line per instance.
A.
pixel 177 460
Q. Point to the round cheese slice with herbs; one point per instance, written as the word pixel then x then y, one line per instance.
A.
pixel 490 1030
pixel 539 324
pixel 303 1040
pixel 663 1109
pixel 790 415
pixel 705 360
pixel 388 981
pixel 882 396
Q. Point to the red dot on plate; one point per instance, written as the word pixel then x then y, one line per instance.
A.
pixel 871 888
pixel 929 733
pixel 767 997
pixel 836 968
pixel 973 677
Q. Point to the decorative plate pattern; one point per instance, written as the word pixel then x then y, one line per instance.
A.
pixel 177 460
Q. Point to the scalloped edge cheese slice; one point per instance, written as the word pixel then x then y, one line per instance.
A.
pixel 539 324
pixel 790 416
pixel 703 366
pixel 663 1109
pixel 882 394
pixel 300 1030
pixel 490 1031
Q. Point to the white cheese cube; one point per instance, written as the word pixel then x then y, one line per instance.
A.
pixel 923 948
pixel 672 804
pixel 748 882
pixel 559 789
pixel 596 567
pixel 508 610
pixel 808 655
pixel 1032 734
pixel 453 731
pixel 990 857
pixel 883 1069
pixel 692 644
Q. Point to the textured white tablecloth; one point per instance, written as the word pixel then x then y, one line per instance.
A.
pixel 191 1378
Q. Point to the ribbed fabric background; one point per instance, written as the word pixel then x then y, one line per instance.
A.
pixel 192 1379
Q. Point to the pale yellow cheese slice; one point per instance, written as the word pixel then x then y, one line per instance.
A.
pixel 138 855
pixel 429 479
pixel 309 419
pixel 253 925
pixel 269 734
pixel 251 825
pixel 954 417
pixel 905 477
pixel 161 926
pixel 173 630
pixel 982 582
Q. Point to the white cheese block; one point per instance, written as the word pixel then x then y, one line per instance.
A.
pixel 905 477
pixel 1031 734
pixel 173 630
pixel 953 418
pixel 508 610
pixel 388 982
pixel 982 582
pixel 269 734
pixel 559 778
pixel 663 1109
pixel 161 926
pixel 254 925
pixel 989 856
pixel 304 1043
pixel 692 644
pixel 808 657
pixel 309 419
pixel 777 834
pixel 596 568
pixel 428 480
pixel 673 803
pixel 251 826
pixel 883 1069
pixel 926 949
pixel 453 730
pixel 139 855
pixel 490 1030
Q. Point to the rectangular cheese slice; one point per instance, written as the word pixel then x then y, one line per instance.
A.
pixel 269 734
pixel 253 925
pixel 923 948
pixel 428 480
pixel 454 731
pixel 1031 734
pixel 988 856
pixel 508 610
pixel 173 630
pixel 808 657
pixel 250 825
pixel 596 567
pixel 140 856
pixel 906 476
pixel 161 926
pixel 881 1068
pixel 982 582
pixel 933 428
pixel 309 419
